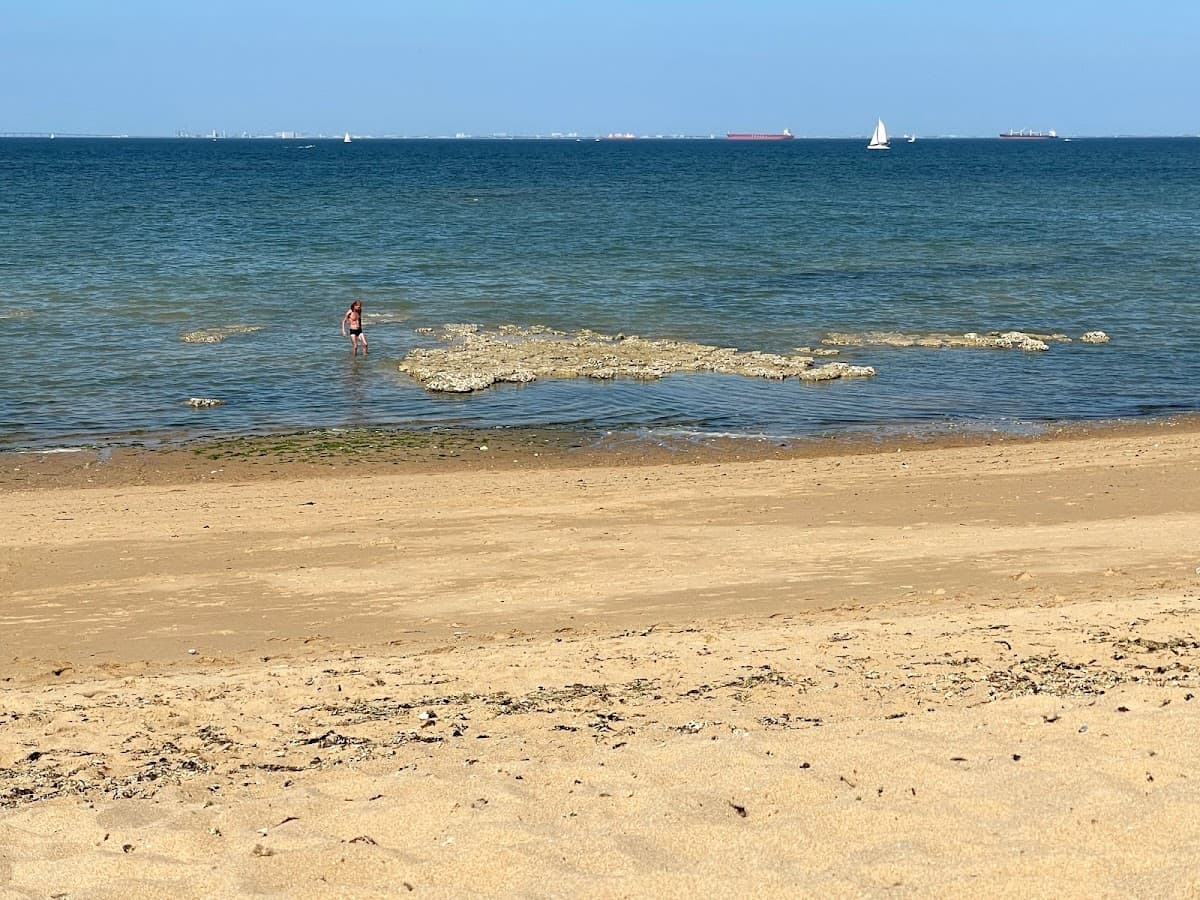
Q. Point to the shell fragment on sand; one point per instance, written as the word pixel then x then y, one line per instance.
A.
pixel 474 359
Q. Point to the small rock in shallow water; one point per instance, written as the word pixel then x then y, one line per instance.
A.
pixel 1094 337
pixel 217 335
pixel 204 402
pixel 995 340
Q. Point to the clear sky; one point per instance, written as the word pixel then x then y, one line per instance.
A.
pixel 967 67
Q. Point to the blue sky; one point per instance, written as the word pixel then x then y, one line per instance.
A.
pixel 525 67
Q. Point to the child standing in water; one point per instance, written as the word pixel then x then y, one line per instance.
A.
pixel 353 320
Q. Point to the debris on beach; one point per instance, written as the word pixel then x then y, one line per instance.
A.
pixel 885 677
pixel 204 402
pixel 216 335
pixel 475 359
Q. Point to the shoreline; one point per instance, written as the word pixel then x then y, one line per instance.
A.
pixel 605 673
pixel 387 449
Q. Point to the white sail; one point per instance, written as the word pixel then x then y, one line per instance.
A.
pixel 879 138
pixel 346 139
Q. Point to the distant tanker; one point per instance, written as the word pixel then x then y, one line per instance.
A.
pixel 784 135
pixel 1030 135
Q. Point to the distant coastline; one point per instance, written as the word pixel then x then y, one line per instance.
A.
pixel 554 136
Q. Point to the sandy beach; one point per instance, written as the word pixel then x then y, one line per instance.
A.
pixel 548 670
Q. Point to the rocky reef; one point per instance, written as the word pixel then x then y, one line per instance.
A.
pixel 474 358
pixel 216 335
pixel 1028 341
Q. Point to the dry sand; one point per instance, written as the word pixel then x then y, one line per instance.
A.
pixel 910 672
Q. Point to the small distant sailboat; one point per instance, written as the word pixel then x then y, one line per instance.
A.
pixel 879 138
pixel 346 139
pixel 912 138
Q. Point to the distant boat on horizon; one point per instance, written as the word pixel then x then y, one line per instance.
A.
pixel 879 138
pixel 346 139
pixel 785 135
pixel 1027 135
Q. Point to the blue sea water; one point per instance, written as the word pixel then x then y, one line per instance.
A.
pixel 110 250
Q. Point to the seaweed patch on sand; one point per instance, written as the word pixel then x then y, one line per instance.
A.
pixel 1028 341
pixel 216 335
pixel 475 359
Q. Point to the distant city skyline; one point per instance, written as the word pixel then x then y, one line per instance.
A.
pixel 669 67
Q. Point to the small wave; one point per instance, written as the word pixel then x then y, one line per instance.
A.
pixel 216 335
pixel 17 314
pixel 386 317
pixel 699 435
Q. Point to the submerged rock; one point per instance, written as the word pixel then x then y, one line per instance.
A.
pixel 476 359
pixel 204 402
pixel 1094 337
pixel 216 335
pixel 992 340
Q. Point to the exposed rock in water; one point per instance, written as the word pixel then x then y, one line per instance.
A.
pixel 216 335
pixel 831 371
pixel 204 402
pixel 476 359
pixel 993 340
pixel 1094 337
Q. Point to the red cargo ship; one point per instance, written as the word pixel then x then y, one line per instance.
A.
pixel 784 135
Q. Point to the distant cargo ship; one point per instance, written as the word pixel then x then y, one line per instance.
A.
pixel 1030 135
pixel 784 135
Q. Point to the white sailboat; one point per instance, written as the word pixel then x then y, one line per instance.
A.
pixel 346 139
pixel 879 138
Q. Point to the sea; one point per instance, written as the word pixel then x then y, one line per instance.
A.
pixel 112 250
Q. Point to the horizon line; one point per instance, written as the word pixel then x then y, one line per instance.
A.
pixel 503 136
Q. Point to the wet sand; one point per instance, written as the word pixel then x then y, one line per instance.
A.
pixel 835 670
